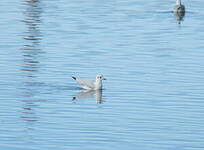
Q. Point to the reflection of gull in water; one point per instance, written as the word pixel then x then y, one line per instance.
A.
pixel 89 84
pixel 179 17
pixel 90 94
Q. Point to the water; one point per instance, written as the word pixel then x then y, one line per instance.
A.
pixel 153 98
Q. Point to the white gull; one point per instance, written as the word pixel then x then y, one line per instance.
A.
pixel 91 84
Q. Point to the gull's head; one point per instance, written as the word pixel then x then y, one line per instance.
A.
pixel 100 78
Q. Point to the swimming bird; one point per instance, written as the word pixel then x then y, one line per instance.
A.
pixel 91 84
pixel 179 8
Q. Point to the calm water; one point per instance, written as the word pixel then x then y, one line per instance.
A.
pixel 154 95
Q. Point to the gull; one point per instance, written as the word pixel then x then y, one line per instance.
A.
pixel 91 84
pixel 179 8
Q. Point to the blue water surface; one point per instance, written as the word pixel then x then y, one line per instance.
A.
pixel 153 60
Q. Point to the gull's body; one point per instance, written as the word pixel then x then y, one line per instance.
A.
pixel 90 84
pixel 179 8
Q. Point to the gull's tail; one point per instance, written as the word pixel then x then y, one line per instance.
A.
pixel 74 78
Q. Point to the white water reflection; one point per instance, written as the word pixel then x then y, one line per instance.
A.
pixel 97 94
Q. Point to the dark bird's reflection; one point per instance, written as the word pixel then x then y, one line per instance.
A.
pixel 179 16
pixel 97 94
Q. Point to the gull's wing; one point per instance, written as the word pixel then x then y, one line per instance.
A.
pixel 85 84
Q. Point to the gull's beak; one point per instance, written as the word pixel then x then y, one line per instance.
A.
pixel 104 79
